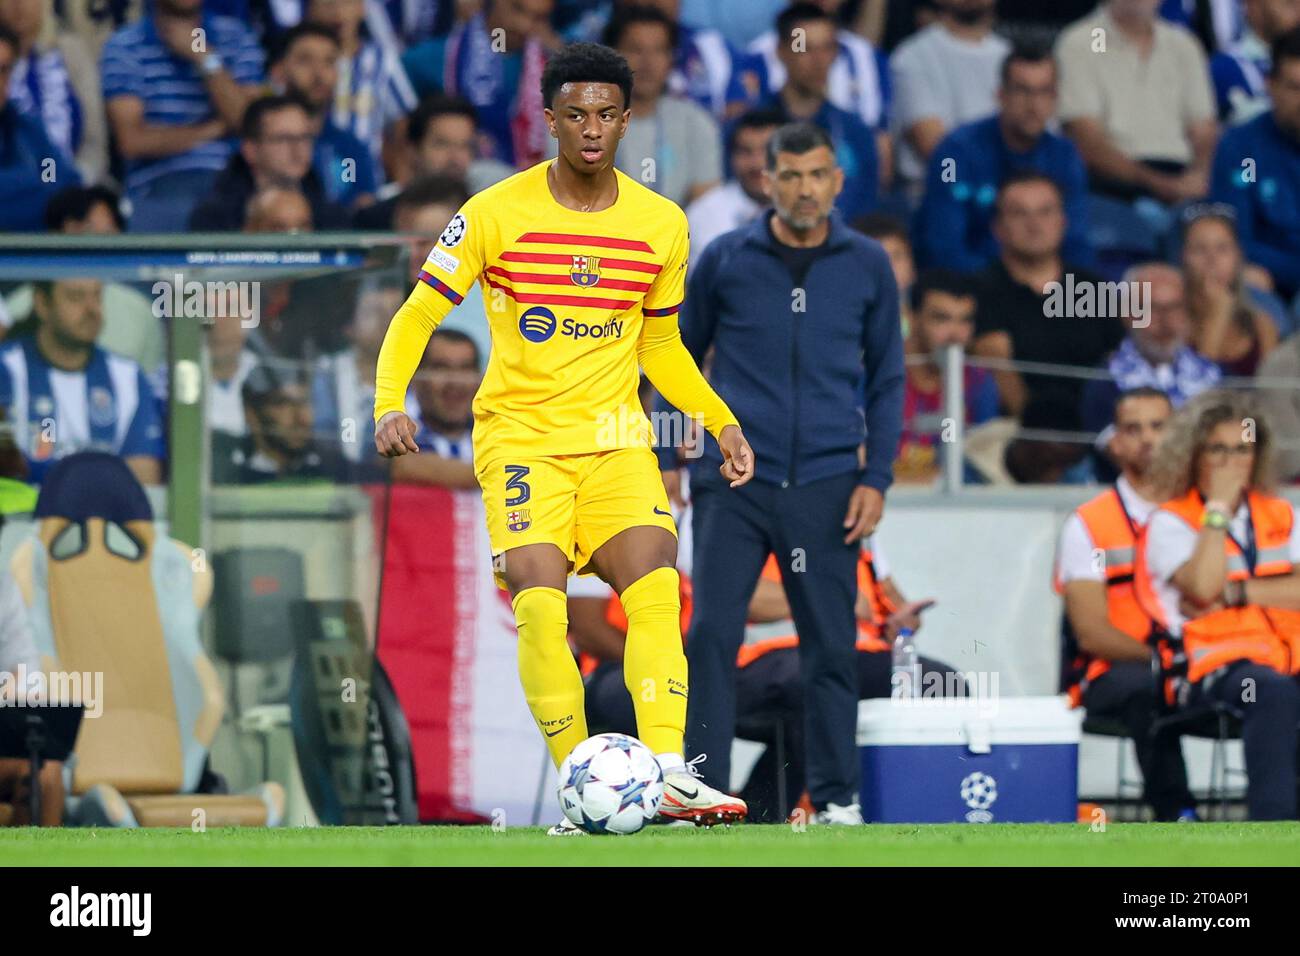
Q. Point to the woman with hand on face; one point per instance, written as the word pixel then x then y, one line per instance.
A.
pixel 1227 325
pixel 1219 570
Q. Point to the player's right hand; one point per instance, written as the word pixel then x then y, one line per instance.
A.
pixel 395 435
pixel 737 456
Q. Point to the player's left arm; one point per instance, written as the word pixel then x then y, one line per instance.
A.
pixel 673 371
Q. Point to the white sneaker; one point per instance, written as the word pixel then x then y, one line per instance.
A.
pixel 838 816
pixel 687 797
pixel 566 827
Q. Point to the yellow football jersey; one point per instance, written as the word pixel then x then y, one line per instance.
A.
pixel 568 296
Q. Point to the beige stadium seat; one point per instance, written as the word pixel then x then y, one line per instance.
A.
pixel 107 596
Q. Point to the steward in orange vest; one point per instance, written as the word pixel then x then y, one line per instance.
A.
pixel 1268 636
pixel 1115 534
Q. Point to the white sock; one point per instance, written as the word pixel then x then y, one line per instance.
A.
pixel 671 763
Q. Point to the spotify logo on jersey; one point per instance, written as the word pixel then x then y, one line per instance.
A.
pixel 537 324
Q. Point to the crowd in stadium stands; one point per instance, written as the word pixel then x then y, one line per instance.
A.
pixel 997 148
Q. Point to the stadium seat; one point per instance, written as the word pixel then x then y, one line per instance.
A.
pixel 106 595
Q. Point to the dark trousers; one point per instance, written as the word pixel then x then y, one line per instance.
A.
pixel 734 531
pixel 1270 706
pixel 1128 692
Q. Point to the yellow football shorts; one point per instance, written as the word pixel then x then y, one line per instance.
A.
pixel 575 502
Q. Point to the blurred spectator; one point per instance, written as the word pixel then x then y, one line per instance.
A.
pixel 423 211
pixel 442 139
pixel 954 224
pixel 55 81
pixel 944 75
pixel 275 149
pixel 172 104
pixel 671 145
pixel 1109 649
pixel 94 21
pixel 1137 101
pixel 1227 327
pixel 858 81
pixel 32 167
pixel 707 68
pixel 1240 72
pixel 85 210
pixel 444 389
pixel 231 359
pixel 1026 299
pixel 277 209
pixel 1157 351
pixel 306 66
pixel 373 91
pixel 504 85
pixel 943 313
pixel 740 21
pixel 1257 169
pixel 741 198
pixel 1282 404
pixel 343 387
pixel 807 57
pixel 890 232
pixel 1041 452
pixel 65 394
pixel 130 329
pixel 280 443
pixel 1217 569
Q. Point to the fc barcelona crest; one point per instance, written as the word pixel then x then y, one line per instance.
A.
pixel 518 520
pixel 585 271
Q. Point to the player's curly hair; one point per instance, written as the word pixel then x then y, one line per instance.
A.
pixel 1173 467
pixel 586 63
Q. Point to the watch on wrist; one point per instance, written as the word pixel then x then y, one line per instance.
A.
pixel 211 63
pixel 1214 518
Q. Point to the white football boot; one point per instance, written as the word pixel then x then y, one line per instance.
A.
pixel 566 827
pixel 688 798
pixel 838 816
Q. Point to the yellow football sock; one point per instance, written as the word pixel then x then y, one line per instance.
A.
pixel 552 683
pixel 654 666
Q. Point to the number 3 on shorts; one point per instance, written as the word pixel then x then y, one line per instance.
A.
pixel 515 483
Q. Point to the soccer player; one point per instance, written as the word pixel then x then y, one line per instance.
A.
pixel 582 270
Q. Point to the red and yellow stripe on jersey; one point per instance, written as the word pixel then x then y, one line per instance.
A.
pixel 574 302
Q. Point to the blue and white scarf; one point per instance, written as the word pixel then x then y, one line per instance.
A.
pixel 1187 375
pixel 39 86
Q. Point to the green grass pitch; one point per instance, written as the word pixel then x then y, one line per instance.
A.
pixel 1204 844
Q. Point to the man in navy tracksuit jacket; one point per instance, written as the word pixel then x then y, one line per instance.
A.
pixel 802 315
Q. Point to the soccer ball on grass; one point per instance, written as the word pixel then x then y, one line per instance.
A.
pixel 611 783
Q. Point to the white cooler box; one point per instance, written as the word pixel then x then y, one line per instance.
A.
pixel 941 760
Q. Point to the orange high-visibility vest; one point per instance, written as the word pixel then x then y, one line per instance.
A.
pixel 761 639
pixel 1115 534
pixel 1268 636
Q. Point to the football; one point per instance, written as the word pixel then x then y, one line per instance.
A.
pixel 611 783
